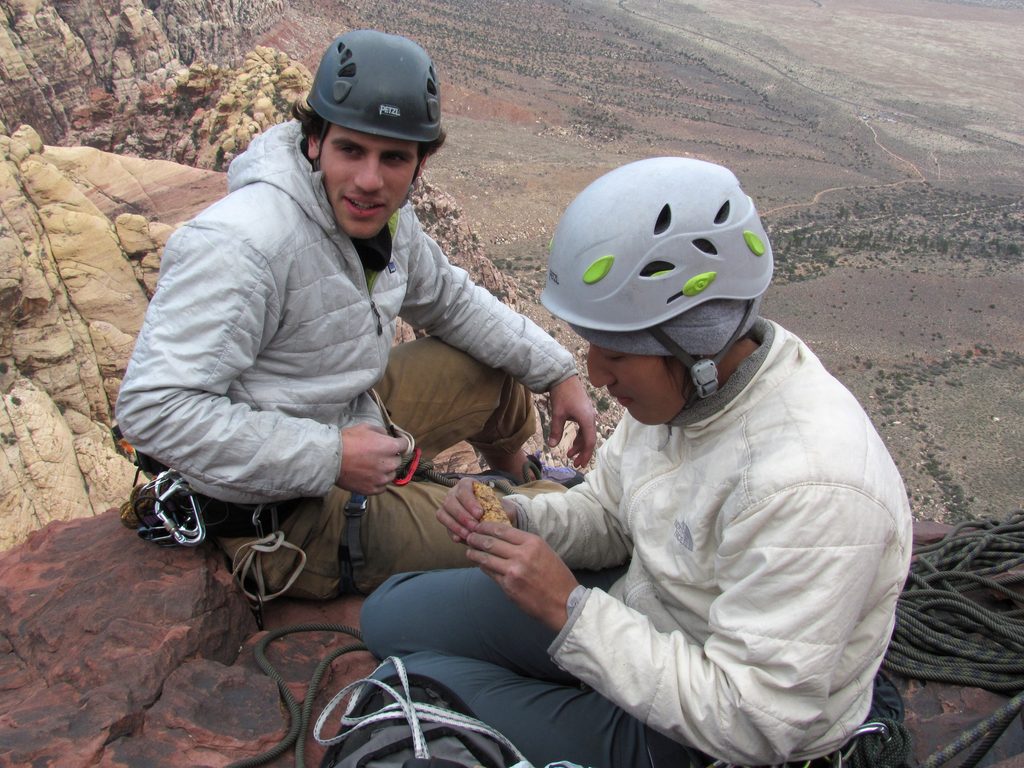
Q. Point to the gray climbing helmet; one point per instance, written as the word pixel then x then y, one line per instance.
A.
pixel 651 240
pixel 380 84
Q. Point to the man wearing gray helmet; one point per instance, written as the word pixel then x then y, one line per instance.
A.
pixel 264 375
pixel 722 586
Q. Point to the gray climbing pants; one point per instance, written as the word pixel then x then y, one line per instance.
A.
pixel 458 627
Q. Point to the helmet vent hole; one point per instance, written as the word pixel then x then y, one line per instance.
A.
pixel 706 246
pixel 723 213
pixel 349 70
pixel 664 220
pixel 656 269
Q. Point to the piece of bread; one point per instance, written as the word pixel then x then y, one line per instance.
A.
pixel 493 511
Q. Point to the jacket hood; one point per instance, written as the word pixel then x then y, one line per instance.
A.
pixel 276 157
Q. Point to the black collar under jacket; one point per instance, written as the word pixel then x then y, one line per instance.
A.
pixel 374 252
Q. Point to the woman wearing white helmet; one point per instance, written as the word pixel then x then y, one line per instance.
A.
pixel 723 584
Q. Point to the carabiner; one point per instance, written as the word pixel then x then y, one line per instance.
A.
pixel 168 509
pixel 410 469
pixel 872 726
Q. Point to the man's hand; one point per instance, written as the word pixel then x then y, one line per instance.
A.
pixel 526 569
pixel 569 402
pixel 370 459
pixel 460 511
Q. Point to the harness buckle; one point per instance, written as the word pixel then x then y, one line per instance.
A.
pixel 356 505
pixel 351 549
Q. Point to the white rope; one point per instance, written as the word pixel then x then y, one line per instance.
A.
pixel 393 428
pixel 402 709
pixel 248 561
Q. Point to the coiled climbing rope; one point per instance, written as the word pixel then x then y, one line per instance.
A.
pixel 299 717
pixel 960 621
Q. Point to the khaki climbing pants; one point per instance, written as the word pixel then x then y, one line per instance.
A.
pixel 442 397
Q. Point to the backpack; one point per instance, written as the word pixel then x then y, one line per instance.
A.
pixel 410 721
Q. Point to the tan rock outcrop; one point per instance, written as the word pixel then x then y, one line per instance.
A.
pixel 97 72
pixel 73 296
pixel 251 98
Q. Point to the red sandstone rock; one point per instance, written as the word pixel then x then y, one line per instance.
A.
pixel 117 652
pixel 114 651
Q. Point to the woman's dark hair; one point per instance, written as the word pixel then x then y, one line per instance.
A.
pixel 313 125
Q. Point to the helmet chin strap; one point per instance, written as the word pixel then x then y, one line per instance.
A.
pixel 703 371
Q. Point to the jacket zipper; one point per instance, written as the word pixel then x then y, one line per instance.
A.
pixel 371 280
pixel 376 314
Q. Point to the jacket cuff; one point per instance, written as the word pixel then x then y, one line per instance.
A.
pixel 522 521
pixel 564 376
pixel 574 606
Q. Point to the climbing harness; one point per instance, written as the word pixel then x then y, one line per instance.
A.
pixel 442 716
pixel 960 621
pixel 389 717
pixel 166 511
pixel 351 554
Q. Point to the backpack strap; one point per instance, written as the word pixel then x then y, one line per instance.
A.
pixel 402 707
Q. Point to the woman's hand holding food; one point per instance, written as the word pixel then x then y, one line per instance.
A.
pixel 523 565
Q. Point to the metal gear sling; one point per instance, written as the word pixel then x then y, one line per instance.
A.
pixel 167 511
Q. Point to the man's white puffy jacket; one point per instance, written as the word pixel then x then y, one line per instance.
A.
pixel 263 337
pixel 767 544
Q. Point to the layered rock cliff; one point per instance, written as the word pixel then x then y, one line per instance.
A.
pixel 95 72
pixel 72 297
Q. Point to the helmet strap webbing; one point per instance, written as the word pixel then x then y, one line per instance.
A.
pixel 703 371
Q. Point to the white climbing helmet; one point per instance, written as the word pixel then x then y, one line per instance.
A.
pixel 651 240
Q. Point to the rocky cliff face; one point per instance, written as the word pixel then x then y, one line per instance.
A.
pixel 73 292
pixel 95 72
pixel 228 106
